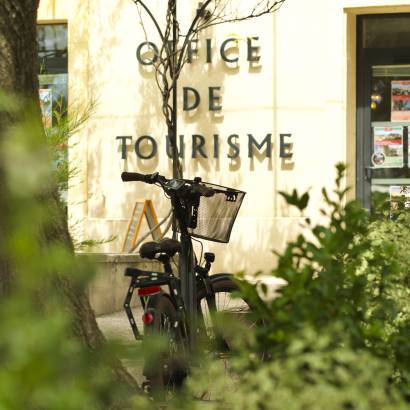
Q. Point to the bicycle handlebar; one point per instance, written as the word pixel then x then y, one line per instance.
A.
pixel 204 190
pixel 137 177
pixel 195 186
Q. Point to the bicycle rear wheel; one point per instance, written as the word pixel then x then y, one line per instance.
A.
pixel 165 371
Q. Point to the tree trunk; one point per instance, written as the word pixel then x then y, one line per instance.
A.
pixel 18 76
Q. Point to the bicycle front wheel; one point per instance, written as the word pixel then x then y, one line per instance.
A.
pixel 230 313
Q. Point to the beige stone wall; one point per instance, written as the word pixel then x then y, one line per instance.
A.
pixel 304 85
pixel 109 287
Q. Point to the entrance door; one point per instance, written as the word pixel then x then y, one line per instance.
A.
pixel 383 108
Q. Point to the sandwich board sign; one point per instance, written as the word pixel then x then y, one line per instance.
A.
pixel 142 209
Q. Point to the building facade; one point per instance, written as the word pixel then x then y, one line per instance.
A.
pixel 265 105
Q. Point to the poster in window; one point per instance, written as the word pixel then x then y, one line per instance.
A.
pixel 46 105
pixel 399 199
pixel 400 100
pixel 388 147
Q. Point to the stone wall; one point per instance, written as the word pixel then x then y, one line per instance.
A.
pixel 108 289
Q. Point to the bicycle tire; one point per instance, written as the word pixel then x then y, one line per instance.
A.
pixel 224 284
pixel 225 342
pixel 166 371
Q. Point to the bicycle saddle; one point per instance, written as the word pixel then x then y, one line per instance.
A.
pixel 167 245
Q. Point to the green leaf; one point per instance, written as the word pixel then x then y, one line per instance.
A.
pixel 294 199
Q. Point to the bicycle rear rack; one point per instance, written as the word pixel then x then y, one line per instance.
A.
pixel 147 279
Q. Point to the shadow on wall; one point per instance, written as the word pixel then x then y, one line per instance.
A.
pixel 203 124
pixel 204 148
pixel 253 241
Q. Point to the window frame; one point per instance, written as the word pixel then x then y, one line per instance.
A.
pixel 366 58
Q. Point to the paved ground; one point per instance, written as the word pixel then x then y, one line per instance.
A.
pixel 116 327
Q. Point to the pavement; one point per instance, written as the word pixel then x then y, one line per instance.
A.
pixel 115 326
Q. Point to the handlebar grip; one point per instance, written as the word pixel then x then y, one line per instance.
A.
pixel 133 176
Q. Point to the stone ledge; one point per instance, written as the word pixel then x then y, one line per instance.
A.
pixel 112 257
pixel 109 287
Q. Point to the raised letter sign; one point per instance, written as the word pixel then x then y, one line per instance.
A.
pixel 214 99
pixel 216 146
pixel 223 51
pixel 124 145
pixel 252 50
pixel 192 51
pixel 181 148
pixel 197 98
pixel 285 148
pixel 198 142
pixel 139 141
pixel 208 50
pixel 154 49
pixel 252 142
pixel 234 146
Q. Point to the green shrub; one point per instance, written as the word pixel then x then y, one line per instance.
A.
pixel 315 372
pixel 348 284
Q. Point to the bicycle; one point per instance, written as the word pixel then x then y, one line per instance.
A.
pixel 179 307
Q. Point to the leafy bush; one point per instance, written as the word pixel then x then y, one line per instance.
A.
pixel 315 372
pixel 338 336
pixel 348 285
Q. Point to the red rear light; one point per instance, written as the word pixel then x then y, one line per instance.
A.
pixel 148 291
pixel 147 318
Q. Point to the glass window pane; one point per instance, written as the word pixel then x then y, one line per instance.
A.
pixel 53 90
pixel 390 116
pixel 388 100
pixel 53 78
pixel 52 48
pixel 386 31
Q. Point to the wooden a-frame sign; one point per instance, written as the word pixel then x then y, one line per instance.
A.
pixel 142 208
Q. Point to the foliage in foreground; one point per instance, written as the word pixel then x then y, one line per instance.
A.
pixel 338 337
pixel 42 365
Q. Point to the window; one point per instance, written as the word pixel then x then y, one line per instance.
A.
pixel 53 93
pixel 383 108
pixel 385 31
pixel 53 63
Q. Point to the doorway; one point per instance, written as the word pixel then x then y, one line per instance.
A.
pixel 383 108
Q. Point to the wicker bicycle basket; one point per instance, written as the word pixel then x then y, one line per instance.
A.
pixel 217 214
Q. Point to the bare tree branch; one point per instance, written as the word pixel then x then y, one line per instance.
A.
pixel 170 62
pixel 136 2
pixel 223 15
pixel 192 29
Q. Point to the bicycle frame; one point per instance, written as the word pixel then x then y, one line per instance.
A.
pixel 185 199
pixel 185 208
pixel 186 269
